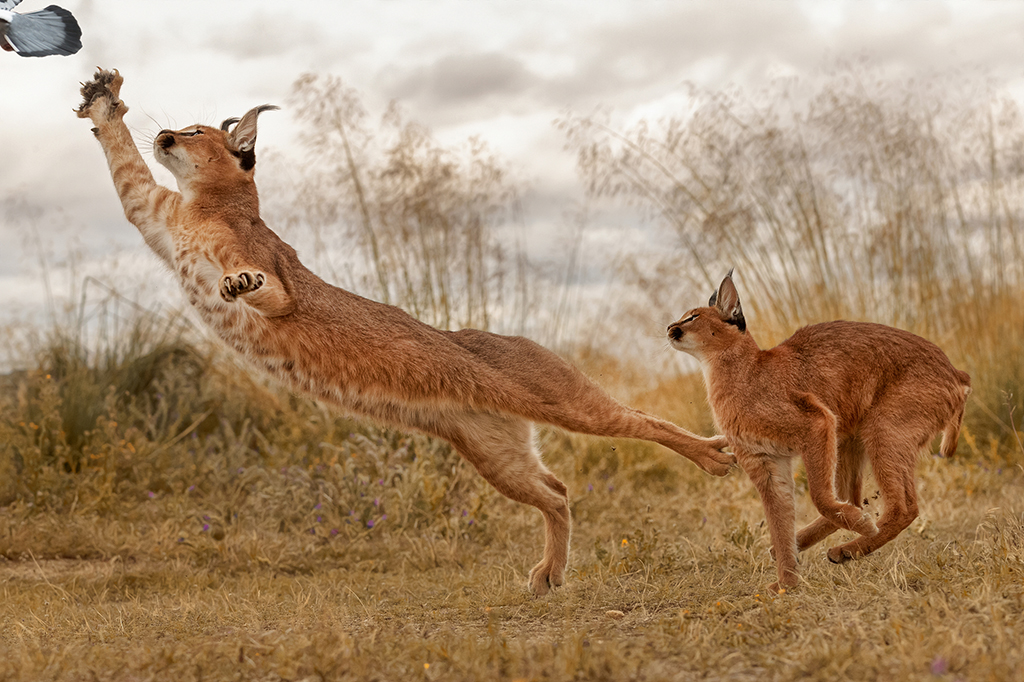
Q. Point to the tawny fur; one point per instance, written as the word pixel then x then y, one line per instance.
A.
pixel 834 394
pixel 477 390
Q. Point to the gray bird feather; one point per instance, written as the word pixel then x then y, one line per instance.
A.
pixel 50 31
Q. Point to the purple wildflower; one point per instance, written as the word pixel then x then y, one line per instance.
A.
pixel 939 666
pixel 369 524
pixel 206 527
pixel 150 494
pixel 590 487
pixel 319 519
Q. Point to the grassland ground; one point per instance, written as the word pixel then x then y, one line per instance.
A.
pixel 252 572
pixel 164 515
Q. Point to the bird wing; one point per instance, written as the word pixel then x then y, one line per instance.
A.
pixel 9 4
pixel 49 31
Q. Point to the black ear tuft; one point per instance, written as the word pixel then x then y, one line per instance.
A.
pixel 228 122
pixel 714 298
pixel 246 159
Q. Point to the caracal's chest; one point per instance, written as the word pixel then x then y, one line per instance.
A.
pixel 200 265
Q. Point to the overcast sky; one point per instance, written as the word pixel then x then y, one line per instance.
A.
pixel 500 70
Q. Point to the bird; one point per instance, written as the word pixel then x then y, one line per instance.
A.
pixel 49 31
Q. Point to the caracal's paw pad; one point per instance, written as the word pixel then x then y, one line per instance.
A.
pixel 234 285
pixel 101 97
pixel 543 578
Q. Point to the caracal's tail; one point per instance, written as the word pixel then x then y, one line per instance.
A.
pixel 951 432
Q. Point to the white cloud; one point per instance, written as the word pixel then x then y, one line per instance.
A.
pixel 500 70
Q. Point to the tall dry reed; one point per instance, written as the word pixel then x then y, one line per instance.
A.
pixel 427 220
pixel 860 198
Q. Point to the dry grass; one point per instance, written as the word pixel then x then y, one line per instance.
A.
pixel 163 515
pixel 405 604
pixel 245 551
pixel 850 197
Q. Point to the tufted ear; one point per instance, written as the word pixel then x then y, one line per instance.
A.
pixel 242 139
pixel 727 301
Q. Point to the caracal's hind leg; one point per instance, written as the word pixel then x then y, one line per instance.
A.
pixel 892 449
pixel 594 412
pixel 545 388
pixel 773 478
pixel 501 448
pixel 820 449
pixel 849 484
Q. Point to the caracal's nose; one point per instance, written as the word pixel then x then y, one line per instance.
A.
pixel 165 139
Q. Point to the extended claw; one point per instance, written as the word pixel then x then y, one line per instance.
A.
pixel 234 285
pixel 104 84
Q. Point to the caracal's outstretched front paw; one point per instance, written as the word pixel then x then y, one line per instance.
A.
pixel 543 577
pixel 234 285
pixel 101 97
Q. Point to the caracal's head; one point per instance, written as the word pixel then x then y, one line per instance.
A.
pixel 704 331
pixel 202 154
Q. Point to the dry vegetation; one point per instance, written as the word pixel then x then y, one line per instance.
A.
pixel 164 515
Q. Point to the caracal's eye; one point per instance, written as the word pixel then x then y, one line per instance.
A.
pixel 192 133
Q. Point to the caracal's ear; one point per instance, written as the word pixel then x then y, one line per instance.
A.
pixel 727 301
pixel 242 139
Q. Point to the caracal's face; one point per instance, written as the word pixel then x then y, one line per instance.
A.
pixel 195 152
pixel 697 331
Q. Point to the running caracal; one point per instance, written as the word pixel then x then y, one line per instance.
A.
pixel 477 390
pixel 834 394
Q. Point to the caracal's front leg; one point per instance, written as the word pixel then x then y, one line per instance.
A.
pixel 146 204
pixel 773 477
pixel 263 291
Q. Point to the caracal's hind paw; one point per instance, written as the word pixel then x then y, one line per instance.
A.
pixel 718 442
pixel 101 97
pixel 543 577
pixel 716 462
pixel 842 553
pixel 234 285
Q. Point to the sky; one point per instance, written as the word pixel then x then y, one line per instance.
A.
pixel 500 70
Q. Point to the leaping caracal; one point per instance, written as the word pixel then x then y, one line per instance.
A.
pixel 477 390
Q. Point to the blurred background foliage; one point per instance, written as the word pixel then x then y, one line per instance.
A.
pixel 860 198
